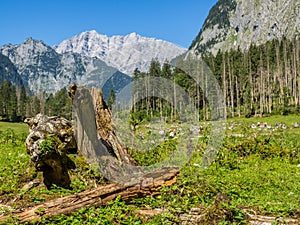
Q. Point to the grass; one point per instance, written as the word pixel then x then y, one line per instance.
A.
pixel 268 186
pixel 258 169
pixel 18 128
pixel 13 163
pixel 16 172
pixel 13 158
pixel 289 120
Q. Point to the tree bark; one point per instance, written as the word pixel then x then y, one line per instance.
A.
pixel 94 129
pixel 97 139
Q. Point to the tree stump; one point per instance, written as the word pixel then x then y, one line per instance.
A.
pixel 48 143
pixel 92 135
pixel 96 137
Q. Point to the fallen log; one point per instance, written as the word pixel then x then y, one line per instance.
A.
pixel 268 220
pixel 220 211
pixel 148 185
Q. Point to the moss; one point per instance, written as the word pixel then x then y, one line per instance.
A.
pixel 221 211
pixel 47 147
pixel 31 172
pixel 80 162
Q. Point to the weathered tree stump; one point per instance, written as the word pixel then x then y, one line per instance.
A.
pixel 96 137
pixel 94 123
pixel 93 134
pixel 48 143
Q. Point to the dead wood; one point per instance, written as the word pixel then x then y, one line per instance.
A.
pixel 148 185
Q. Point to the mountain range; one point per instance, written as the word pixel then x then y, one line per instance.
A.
pixel 126 53
pixel 93 59
pixel 89 59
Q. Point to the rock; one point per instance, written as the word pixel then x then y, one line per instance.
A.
pixel 213 214
pixel 233 24
pixel 195 211
pixel 5 208
pixel 150 212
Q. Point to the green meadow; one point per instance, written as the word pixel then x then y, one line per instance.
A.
pixel 257 168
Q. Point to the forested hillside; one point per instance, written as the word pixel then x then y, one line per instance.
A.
pixel 262 81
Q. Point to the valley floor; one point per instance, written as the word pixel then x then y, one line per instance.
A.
pixel 256 172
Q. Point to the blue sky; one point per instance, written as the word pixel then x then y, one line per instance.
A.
pixel 53 21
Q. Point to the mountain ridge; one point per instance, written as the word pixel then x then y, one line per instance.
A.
pixel 43 69
pixel 8 71
pixel 125 53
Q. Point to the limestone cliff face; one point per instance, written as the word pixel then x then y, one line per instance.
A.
pixel 8 71
pixel 125 53
pixel 42 69
pixel 238 23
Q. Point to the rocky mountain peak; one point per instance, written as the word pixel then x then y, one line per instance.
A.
pixel 88 59
pixel 35 45
pixel 42 69
pixel 122 52
pixel 26 52
pixel 238 23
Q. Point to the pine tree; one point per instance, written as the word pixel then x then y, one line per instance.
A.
pixel 22 103
pixel 36 105
pixel 111 99
pixel 6 88
pixel 13 104
pixel 49 105
pixel 60 102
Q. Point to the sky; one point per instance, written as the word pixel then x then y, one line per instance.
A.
pixel 176 21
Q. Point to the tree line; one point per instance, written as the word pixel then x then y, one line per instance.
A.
pixel 264 80
pixel 162 92
pixel 16 104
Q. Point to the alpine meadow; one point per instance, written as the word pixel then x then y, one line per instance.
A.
pixel 127 129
